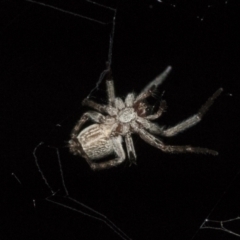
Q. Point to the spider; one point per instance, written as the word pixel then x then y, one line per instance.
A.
pixel 119 119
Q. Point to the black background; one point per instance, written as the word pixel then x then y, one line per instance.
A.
pixel 50 61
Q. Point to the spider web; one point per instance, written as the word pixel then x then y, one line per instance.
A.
pixel 53 194
pixel 66 201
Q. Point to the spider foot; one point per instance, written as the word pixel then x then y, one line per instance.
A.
pixel 209 103
pixel 132 161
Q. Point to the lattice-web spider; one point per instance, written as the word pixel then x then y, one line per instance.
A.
pixel 118 120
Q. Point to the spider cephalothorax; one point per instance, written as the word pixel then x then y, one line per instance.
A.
pixel 118 120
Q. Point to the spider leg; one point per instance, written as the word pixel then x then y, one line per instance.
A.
pixel 145 95
pixel 154 84
pixel 172 131
pixel 100 107
pixel 130 149
pixel 162 108
pixel 147 137
pixel 110 88
pixel 119 151
pixel 90 115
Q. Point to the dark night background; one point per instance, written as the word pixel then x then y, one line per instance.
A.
pixel 50 61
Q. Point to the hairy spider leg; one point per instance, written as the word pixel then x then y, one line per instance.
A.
pixel 152 140
pixel 149 91
pixel 110 87
pixel 100 107
pixel 119 151
pixel 130 149
pixel 161 109
pixel 153 84
pixel 90 115
pixel 172 131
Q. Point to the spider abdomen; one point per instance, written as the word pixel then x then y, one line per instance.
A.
pixel 95 141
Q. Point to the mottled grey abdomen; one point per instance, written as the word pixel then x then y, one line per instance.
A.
pixel 95 141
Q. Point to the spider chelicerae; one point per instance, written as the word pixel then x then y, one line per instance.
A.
pixel 119 119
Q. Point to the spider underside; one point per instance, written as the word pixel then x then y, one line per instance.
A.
pixel 119 119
